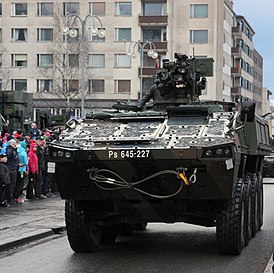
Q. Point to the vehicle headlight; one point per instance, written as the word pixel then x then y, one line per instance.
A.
pixel 67 154
pixel 209 153
pixel 60 153
pixel 220 152
pixel 227 152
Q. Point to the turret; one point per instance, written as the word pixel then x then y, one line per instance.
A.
pixel 182 81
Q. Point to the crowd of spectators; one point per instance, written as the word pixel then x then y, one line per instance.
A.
pixel 23 166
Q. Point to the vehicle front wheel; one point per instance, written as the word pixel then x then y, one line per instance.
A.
pixel 83 233
pixel 231 231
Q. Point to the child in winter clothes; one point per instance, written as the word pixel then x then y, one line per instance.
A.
pixel 33 170
pixel 4 180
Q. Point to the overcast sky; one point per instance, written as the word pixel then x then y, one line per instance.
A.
pixel 260 16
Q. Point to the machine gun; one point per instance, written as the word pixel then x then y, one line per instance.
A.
pixel 182 81
pixel 178 82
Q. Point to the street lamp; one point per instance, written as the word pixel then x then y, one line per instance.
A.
pixel 73 33
pixel 152 53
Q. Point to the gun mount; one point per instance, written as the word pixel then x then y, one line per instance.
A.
pixel 183 80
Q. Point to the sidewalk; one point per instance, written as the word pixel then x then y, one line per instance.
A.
pixel 25 222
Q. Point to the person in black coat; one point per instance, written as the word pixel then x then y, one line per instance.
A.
pixel 12 164
pixel 41 167
pixel 4 180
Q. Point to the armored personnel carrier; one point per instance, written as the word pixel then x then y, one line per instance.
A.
pixel 182 161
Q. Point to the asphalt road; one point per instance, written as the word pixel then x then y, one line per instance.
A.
pixel 161 248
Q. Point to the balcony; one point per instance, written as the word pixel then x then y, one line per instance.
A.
pixel 237 31
pixel 160 46
pixel 236 71
pixel 236 90
pixel 160 20
pixel 236 51
pixel 148 72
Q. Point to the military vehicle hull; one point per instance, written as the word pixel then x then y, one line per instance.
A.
pixel 191 164
pixel 210 181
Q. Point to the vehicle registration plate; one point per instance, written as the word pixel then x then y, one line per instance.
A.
pixel 128 154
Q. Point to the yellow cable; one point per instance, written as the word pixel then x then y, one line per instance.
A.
pixel 184 178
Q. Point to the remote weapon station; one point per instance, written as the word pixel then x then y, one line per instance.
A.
pixel 184 160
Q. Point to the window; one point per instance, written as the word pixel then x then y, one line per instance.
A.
pixel 18 9
pixel 154 34
pixel 19 60
pixel 122 86
pixel 1 85
pixel 70 8
pixel 44 85
pixel 95 39
pixel 71 85
pixel 19 34
pixel 97 8
pixel 0 60
pixel 123 8
pixel 199 11
pixel 122 60
pixel 44 34
pixel 0 9
pixel 96 86
pixel 154 9
pixel 44 9
pixel 71 60
pixel 19 85
pixel 45 60
pixel 96 60
pixel 122 34
pixel 0 34
pixel 198 36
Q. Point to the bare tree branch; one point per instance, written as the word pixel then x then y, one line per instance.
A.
pixel 65 71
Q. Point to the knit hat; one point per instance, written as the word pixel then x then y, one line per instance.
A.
pixel 12 142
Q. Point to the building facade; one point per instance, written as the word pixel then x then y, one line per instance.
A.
pixel 36 56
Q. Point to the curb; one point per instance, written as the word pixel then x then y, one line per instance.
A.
pixel 32 238
pixel 270 266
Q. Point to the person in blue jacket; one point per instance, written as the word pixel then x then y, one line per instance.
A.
pixel 22 171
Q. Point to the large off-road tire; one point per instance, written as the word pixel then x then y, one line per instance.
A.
pixel 109 236
pixel 231 222
pixel 255 202
pixel 248 208
pixel 261 202
pixel 83 234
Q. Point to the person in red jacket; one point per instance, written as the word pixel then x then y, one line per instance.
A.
pixel 33 171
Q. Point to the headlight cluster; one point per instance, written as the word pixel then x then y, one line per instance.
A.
pixel 61 154
pixel 220 152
